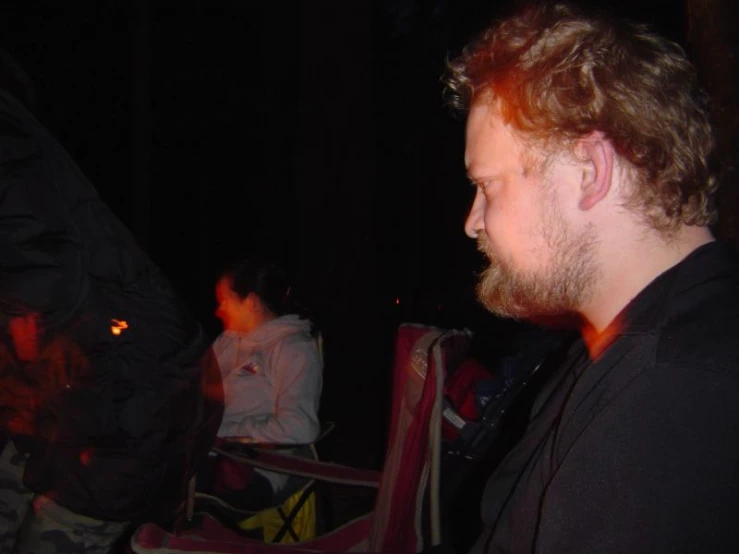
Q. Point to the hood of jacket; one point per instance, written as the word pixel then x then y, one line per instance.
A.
pixel 273 331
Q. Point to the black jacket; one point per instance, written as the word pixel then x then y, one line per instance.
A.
pixel 112 422
pixel 638 449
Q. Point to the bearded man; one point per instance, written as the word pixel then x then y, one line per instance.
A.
pixel 588 142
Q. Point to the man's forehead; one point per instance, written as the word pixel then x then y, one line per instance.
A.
pixel 487 133
pixel 483 109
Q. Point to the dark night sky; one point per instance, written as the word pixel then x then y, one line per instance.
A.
pixel 206 124
pixel 217 114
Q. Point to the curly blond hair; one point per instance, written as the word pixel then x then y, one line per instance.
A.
pixel 559 74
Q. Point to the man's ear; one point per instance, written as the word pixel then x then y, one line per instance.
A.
pixel 597 155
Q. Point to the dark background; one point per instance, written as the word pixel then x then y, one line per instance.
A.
pixel 312 132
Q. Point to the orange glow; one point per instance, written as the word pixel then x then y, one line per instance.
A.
pixel 598 342
pixel 24 331
pixel 118 326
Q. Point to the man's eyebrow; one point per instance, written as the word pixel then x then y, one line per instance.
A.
pixel 477 178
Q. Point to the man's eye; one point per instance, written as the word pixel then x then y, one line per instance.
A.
pixel 483 186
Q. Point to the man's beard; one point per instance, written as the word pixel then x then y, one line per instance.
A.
pixel 559 290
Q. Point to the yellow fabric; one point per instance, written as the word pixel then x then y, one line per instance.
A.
pixel 304 523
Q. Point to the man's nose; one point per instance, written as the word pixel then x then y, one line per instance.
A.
pixel 475 222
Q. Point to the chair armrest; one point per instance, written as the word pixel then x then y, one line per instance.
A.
pixel 293 465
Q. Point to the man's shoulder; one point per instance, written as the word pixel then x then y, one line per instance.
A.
pixel 703 327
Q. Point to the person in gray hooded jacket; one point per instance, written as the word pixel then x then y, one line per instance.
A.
pixel 269 360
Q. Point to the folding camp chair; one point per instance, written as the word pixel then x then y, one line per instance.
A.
pixel 290 517
pixel 405 517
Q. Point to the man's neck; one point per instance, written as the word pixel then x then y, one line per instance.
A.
pixel 627 269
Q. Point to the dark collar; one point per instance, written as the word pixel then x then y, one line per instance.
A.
pixel 666 294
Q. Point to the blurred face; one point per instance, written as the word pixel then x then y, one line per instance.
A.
pixel 235 312
pixel 539 264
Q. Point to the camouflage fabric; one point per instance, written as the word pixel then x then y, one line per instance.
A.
pixel 45 527
pixel 15 499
